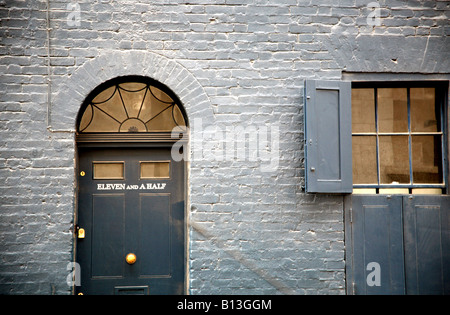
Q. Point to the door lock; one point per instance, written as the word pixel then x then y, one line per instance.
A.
pixel 81 233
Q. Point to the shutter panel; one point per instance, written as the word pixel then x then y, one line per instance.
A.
pixel 328 138
pixel 377 238
pixel 427 244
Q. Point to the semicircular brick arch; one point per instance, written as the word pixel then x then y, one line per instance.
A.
pixel 70 94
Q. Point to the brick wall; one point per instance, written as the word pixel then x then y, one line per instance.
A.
pixel 252 231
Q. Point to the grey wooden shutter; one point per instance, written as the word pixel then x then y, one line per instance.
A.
pixel 427 244
pixel 377 237
pixel 328 138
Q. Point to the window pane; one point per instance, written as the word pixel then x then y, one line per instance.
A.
pixel 155 170
pixel 427 159
pixel 363 110
pixel 132 95
pixel 392 110
pixel 364 150
pixel 98 121
pixel 159 112
pixel 86 118
pixel 132 125
pixel 113 106
pixel 394 160
pixel 164 121
pixel 106 170
pixel 424 116
pixel 152 107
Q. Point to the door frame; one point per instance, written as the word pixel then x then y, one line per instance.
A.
pixel 131 140
pixel 124 141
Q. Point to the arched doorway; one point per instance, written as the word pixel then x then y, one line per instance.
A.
pixel 131 192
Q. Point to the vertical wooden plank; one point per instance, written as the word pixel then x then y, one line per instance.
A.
pixel 427 244
pixel 328 148
pixel 377 240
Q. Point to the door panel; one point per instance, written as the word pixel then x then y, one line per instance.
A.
pixel 108 217
pixel 129 214
pixel 377 238
pixel 155 235
pixel 427 244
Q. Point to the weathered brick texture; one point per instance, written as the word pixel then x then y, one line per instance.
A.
pixel 234 63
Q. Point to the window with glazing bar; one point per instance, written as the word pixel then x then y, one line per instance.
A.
pixel 398 135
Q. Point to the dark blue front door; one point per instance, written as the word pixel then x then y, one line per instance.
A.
pixel 130 205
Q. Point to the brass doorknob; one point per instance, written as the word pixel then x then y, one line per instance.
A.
pixel 131 258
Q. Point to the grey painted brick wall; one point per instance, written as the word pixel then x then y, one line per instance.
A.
pixel 251 232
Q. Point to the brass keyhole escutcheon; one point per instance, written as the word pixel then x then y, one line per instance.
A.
pixel 82 173
pixel 131 258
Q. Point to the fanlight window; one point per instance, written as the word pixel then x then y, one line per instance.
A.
pixel 132 107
